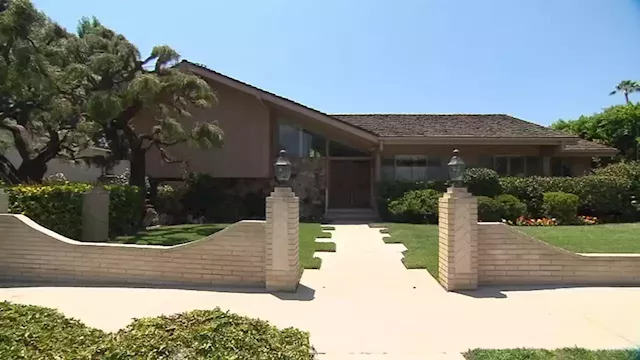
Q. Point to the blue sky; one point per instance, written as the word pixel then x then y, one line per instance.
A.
pixel 539 60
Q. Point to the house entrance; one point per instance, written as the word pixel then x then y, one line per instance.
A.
pixel 350 184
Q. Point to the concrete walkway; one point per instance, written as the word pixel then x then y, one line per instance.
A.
pixel 364 304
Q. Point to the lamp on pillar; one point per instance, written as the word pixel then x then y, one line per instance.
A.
pixel 456 169
pixel 282 168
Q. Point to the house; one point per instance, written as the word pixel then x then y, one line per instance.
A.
pixel 338 158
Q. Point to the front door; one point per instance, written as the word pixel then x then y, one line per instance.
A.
pixel 350 184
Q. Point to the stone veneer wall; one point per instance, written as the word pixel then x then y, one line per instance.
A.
pixel 309 181
pixel 232 256
pixel 507 256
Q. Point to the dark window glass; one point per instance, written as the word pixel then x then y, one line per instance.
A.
pixel 501 166
pixel 388 169
pixel 340 150
pixel 516 166
pixel 534 166
pixel 434 168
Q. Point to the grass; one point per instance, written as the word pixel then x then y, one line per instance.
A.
pixel 180 234
pixel 421 242
pixel 559 354
pixel 607 238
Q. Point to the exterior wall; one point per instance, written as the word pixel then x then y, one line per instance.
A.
pixel 507 256
pixel 246 152
pixel 233 256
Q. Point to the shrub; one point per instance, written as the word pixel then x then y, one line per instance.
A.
pixel 561 206
pixel 510 207
pixel 59 207
pixel 489 209
pixel 33 332
pixel 482 182
pixel 601 196
pixel 390 190
pixel 417 206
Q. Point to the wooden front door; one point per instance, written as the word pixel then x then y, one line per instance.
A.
pixel 350 184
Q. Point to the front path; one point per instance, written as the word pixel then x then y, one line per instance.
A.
pixel 363 303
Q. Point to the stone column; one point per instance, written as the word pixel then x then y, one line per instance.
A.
pixel 95 215
pixel 4 202
pixel 282 261
pixel 458 240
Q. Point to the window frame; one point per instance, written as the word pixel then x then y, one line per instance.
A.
pixel 421 157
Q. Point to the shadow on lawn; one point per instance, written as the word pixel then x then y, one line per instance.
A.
pixel 303 293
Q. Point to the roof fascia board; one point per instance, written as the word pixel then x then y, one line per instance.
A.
pixel 287 104
pixel 435 140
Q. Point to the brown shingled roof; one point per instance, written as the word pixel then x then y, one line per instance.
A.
pixel 589 146
pixel 456 125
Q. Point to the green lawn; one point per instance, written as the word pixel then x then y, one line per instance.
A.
pixel 180 234
pixel 608 238
pixel 421 242
pixel 559 354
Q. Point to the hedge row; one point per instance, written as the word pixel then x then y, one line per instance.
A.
pixel 33 332
pixel 59 207
pixel 606 194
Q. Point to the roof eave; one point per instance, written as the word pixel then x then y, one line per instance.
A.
pixel 280 101
pixel 477 140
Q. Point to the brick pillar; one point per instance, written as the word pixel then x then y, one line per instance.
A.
pixel 95 215
pixel 4 202
pixel 282 262
pixel 458 240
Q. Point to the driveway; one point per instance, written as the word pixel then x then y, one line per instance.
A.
pixel 363 303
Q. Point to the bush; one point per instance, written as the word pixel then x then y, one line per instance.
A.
pixel 510 207
pixel 482 182
pixel 33 332
pixel 390 190
pixel 417 206
pixel 59 207
pixel 605 197
pixel 561 206
pixel 489 209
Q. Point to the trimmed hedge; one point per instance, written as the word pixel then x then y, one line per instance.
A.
pixel 489 209
pixel 59 207
pixel 561 206
pixel 390 190
pixel 510 207
pixel 416 206
pixel 33 332
pixel 482 182
pixel 607 197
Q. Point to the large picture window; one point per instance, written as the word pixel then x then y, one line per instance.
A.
pixel 413 168
pixel 299 142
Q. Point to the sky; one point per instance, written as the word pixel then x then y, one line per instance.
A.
pixel 539 60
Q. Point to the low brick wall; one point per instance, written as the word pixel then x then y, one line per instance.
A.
pixel 507 256
pixel 233 256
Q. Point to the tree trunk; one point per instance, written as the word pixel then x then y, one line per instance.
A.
pixel 32 171
pixel 626 97
pixel 138 166
pixel 8 172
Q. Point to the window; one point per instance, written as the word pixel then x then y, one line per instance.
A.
pixel 300 142
pixel 413 168
pixel 517 165
pixel 559 167
pixel 339 150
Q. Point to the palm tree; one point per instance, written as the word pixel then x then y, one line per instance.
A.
pixel 626 87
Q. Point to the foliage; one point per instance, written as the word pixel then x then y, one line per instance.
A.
pixel 41 102
pixel 482 182
pixel 561 206
pixel 606 197
pixel 32 332
pixel 416 206
pixel 489 209
pixel 511 208
pixel 628 170
pixel 124 211
pixel 221 199
pixel 390 190
pixel 124 88
pixel 587 220
pixel 169 201
pixel 59 207
pixel 558 354
pixel 626 87
pixel 617 126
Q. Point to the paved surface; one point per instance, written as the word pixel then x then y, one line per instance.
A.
pixel 363 304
